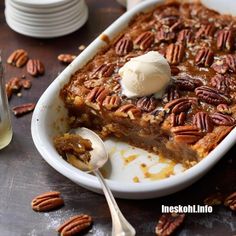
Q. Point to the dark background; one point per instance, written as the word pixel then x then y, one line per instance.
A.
pixel 24 174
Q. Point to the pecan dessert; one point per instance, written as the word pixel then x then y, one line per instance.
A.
pixel 197 109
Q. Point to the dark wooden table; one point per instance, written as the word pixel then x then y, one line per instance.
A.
pixel 24 174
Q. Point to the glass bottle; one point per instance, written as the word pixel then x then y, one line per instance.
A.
pixel 5 122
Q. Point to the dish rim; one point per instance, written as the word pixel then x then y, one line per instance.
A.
pixel 187 177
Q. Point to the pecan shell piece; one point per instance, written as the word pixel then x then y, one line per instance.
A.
pixel 111 102
pixel 18 58
pixel 204 57
pixel 230 201
pixel 211 95
pixel 35 67
pixel 224 109
pixel 175 53
pixel 168 223
pixel 225 40
pixel 75 225
pixel 185 82
pixel 222 119
pixel 97 94
pixel 128 110
pixel 144 40
pixel 147 104
pixel 47 201
pixel 203 121
pixel 124 46
pixel 23 109
pixel 188 134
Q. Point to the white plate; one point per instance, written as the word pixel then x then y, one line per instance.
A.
pixel 41 3
pixel 49 114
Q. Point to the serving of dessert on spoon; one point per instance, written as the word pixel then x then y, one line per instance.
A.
pixel 85 150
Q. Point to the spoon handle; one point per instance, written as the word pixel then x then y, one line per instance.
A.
pixel 120 226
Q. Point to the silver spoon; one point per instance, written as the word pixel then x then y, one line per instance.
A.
pixel 99 156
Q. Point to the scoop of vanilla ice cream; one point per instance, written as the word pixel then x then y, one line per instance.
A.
pixel 145 75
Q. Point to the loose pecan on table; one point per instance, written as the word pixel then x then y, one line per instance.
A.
pixel 144 40
pixel 222 119
pixel 211 95
pixel 97 94
pixel 186 82
pixel 168 223
pixel 224 109
pixel 204 57
pixel 206 30
pixel 203 121
pixel 66 58
pixel 18 58
pixel 111 102
pixel 23 109
pixel 225 40
pixel 177 119
pixel 186 134
pixel 147 104
pixel 128 110
pixel 35 67
pixel 104 70
pixel 214 199
pixel 75 225
pixel 230 201
pixel 13 85
pixel 175 53
pixel 124 46
pixel 47 201
pixel 26 83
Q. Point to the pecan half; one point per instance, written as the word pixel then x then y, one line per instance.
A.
pixel 165 35
pixel 104 70
pixel 168 223
pixel 186 134
pixel 97 94
pixel 221 83
pixel 205 31
pixel 18 58
pixel 75 225
pixel 204 57
pixel 124 46
pixel 185 36
pixel 171 94
pixel 147 104
pixel 145 40
pixel 230 201
pixel 225 40
pixel 231 62
pixel 180 104
pixel 175 53
pixel 203 121
pixel 177 119
pixel 13 85
pixel 224 109
pixel 211 95
pixel 222 119
pixel 23 109
pixel 128 110
pixel 47 201
pixel 66 58
pixel 111 102
pixel 220 66
pixel 35 67
pixel 185 82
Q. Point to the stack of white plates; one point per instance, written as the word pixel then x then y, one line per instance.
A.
pixel 45 18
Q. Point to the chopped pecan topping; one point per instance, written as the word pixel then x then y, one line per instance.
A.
pixel 203 121
pixel 75 225
pixel 211 95
pixel 180 104
pixel 205 31
pixel 174 53
pixel 204 57
pixel 231 62
pixel 171 94
pixel 165 35
pixel 147 104
pixel 225 40
pixel 224 109
pixel 185 82
pixel 18 58
pixel 186 134
pixel 47 201
pixel 111 102
pixel 128 110
pixel 23 109
pixel 230 201
pixel 222 119
pixel 221 83
pixel 185 36
pixel 35 67
pixel 104 70
pixel 177 119
pixel 220 66
pixel 66 58
pixel 145 40
pixel 124 46
pixel 97 94
pixel 168 223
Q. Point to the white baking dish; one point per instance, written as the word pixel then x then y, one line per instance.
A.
pixel 49 118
